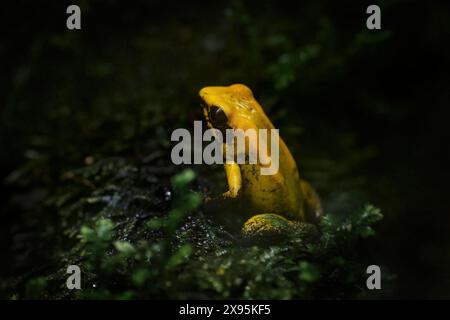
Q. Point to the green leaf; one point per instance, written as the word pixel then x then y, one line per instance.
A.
pixel 124 247
pixel 104 228
pixel 183 179
pixel 307 272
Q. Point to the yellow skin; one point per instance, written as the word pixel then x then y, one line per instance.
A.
pixel 282 195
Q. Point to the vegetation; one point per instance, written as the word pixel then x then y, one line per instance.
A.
pixel 89 179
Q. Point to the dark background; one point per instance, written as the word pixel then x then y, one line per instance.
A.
pixel 365 113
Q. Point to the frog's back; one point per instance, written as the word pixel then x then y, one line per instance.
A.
pixel 281 192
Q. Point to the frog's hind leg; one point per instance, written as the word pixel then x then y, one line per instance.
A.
pixel 266 223
pixel 313 206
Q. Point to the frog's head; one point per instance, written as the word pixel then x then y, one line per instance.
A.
pixel 231 107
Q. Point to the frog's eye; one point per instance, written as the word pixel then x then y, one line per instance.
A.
pixel 217 116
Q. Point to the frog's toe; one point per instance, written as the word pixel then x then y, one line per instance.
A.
pixel 266 223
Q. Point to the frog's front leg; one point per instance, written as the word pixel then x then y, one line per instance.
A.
pixel 234 179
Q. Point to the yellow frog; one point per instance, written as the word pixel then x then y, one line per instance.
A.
pixel 278 199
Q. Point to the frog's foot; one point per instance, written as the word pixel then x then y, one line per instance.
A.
pixel 266 224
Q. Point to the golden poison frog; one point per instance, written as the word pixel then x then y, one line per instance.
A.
pixel 274 200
